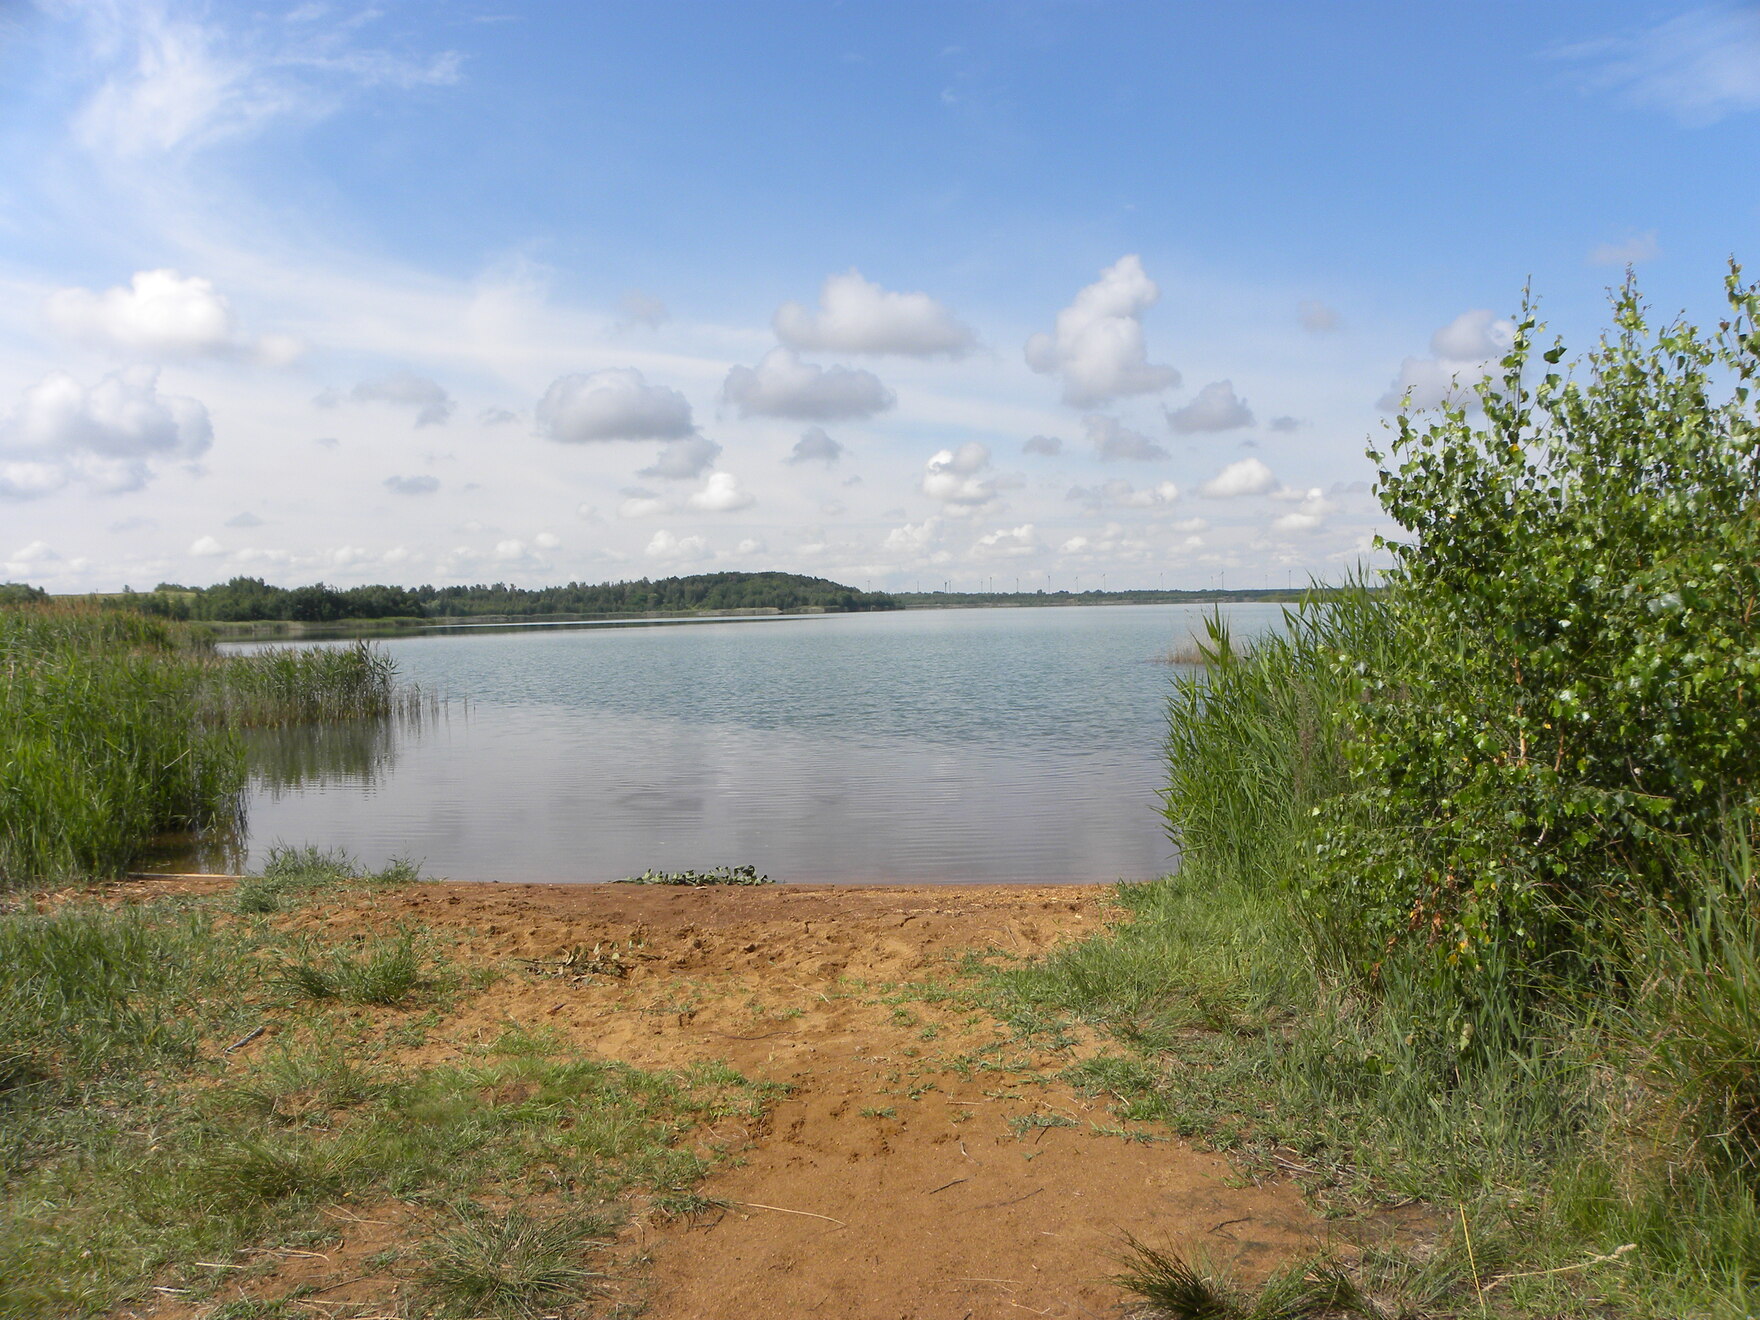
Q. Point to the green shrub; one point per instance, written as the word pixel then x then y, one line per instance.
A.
pixel 1575 679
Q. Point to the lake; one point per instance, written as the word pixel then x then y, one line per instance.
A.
pixel 918 746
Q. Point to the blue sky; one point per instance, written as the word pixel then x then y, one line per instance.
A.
pixel 888 292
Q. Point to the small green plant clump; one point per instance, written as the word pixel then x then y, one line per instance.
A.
pixel 720 875
pixel 292 873
pixel 509 1264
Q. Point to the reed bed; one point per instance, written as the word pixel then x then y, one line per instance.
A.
pixel 116 728
pixel 105 743
pixel 309 685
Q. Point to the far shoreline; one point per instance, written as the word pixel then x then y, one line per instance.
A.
pixel 440 625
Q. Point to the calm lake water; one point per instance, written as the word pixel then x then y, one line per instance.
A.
pixel 934 745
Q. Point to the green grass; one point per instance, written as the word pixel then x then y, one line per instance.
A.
pixel 385 973
pixel 294 873
pixel 132 1147
pixel 510 1264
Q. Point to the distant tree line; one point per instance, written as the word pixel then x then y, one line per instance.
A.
pixel 246 599
pixel 21 593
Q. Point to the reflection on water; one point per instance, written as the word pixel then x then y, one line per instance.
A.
pixel 980 745
pixel 361 752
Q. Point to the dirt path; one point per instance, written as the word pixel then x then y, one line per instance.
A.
pixel 924 1162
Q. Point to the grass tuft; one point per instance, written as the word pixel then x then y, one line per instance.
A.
pixel 387 973
pixel 508 1264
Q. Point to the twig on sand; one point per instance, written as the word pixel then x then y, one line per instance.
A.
pixel 355 1219
pixel 997 1205
pixel 783 1210
pixel 944 1186
pixel 332 1287
pixel 246 1039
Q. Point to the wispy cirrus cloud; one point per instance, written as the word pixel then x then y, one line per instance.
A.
pixel 167 81
pixel 1700 66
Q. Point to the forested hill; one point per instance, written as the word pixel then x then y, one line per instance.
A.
pixel 246 599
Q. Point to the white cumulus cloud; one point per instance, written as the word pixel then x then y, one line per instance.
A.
pixel 721 494
pixel 1248 476
pixel 639 308
pixel 1125 495
pixel 405 389
pixel 29 558
pixel 1008 543
pixel 954 477
pixel 680 460
pixel 1097 347
pixel 639 503
pixel 206 547
pixel 1466 350
pixel 1112 439
pixel 916 541
pixel 160 314
pixel 781 385
pixel 1316 317
pixel 676 549
pixel 1217 408
pixel 1308 516
pixel 26 481
pixel 858 316
pixel 815 446
pixel 1629 252
pixel 417 485
pixel 107 435
pixel 616 403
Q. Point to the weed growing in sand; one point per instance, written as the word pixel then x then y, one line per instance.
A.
pixel 304 1086
pixel 508 1264
pixel 1178 1288
pixel 1021 1124
pixel 385 973
pixel 682 1205
pixel 294 873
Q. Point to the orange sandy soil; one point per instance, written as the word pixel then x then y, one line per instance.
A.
pixel 929 1205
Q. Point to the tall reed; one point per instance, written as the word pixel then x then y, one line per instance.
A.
pixel 116 728
pixel 307 685
pixel 102 741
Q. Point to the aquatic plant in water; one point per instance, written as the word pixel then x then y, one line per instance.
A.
pixel 720 875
